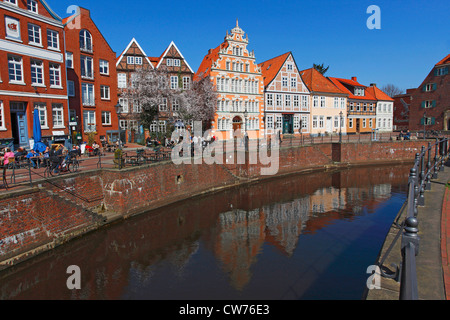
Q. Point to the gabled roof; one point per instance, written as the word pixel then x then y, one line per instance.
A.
pixel 378 94
pixel 172 44
pixel 270 68
pixel 317 82
pixel 205 67
pixel 128 47
pixel 340 83
pixel 446 60
pixel 52 13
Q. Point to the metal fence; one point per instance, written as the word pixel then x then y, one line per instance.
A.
pixel 427 165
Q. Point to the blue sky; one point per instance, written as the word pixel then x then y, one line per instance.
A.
pixel 414 35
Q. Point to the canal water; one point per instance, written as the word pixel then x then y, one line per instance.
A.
pixel 309 236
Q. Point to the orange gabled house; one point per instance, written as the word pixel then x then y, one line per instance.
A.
pixel 361 105
pixel 240 86
pixel 286 96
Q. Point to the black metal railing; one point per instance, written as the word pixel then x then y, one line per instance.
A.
pixel 427 164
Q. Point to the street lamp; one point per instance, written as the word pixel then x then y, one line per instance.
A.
pixel 119 112
pixel 340 126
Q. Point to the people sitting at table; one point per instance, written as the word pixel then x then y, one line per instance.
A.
pixel 21 152
pixel 96 148
pixel 33 157
pixel 8 154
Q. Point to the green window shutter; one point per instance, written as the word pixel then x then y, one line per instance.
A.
pixel 422 121
pixel 446 70
pixel 435 72
pixel 433 120
pixel 424 88
pixel 434 104
pixel 423 104
pixel 434 86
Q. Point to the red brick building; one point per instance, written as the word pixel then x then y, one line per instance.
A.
pixel 402 104
pixel 430 102
pixel 32 73
pixel 92 79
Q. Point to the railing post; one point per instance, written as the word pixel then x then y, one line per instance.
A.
pixel 435 171
pixel 442 152
pixel 410 249
pixel 428 174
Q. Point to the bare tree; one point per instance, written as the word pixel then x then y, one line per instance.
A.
pixel 391 90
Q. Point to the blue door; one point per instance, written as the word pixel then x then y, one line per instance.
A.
pixel 22 127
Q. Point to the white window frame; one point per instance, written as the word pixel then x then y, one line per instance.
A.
pixel 176 62
pixel 122 80
pixel 55 75
pixel 106 118
pixel 42 109
pixel 58 116
pixel 284 82
pixel 52 39
pixel 2 116
pixel 86 67
pixel 293 82
pixel 124 103
pixel 14 2
pixel 186 83
pixel 69 60
pixel 86 43
pixel 173 82
pixel 270 122
pixel 38 67
pixel 32 6
pixel 105 92
pixel 89 121
pixel 36 33
pixel 16 62
pixel 104 67
pixel 87 94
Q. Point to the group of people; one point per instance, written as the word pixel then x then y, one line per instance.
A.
pixel 405 135
pixel 22 154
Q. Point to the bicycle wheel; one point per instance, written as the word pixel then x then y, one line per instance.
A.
pixel 73 166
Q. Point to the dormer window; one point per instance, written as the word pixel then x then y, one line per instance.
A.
pixel 359 91
pixel 14 2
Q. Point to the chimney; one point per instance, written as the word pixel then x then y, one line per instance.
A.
pixel 354 79
pixel 373 84
pixel 209 51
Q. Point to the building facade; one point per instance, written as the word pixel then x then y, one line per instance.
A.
pixel 328 104
pixel 430 103
pixel 385 109
pixel 240 86
pixel 92 79
pixel 402 104
pixel 361 106
pixel 32 74
pixel 180 76
pixel 286 105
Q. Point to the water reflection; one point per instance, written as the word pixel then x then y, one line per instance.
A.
pixel 302 237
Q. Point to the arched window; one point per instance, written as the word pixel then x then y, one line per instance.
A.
pixel 85 41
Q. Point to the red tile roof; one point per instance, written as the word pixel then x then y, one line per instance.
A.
pixel 270 68
pixel 317 82
pixel 446 60
pixel 205 67
pixel 352 83
pixel 378 94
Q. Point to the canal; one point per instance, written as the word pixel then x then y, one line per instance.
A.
pixel 309 236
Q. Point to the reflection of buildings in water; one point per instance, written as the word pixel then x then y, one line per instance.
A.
pixel 241 237
pixel 368 197
pixel 326 200
pixel 284 223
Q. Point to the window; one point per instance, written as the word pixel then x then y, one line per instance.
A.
pixel 85 41
pixel 53 39
pixel 270 99
pixel 104 67
pixel 32 6
pixel 287 100
pixel 284 82
pixel 305 102
pixel 350 123
pixel 322 102
pixel 176 62
pixel 42 109
pixel 122 80
pixel 315 101
pixel 87 94
pixel 314 122
pixel 187 83
pixel 289 67
pixel 71 88
pixel 15 69
pixel 428 104
pixel 130 60
pixel 34 34
pixel 169 62
pixel 137 106
pixel 296 101
pixel 441 71
pixel 336 102
pixel 293 82
pixel 12 1
pixel 104 93
pixel 106 118
pixel 176 105
pixel 343 103
pixel 69 60
pixel 58 115
pixel 228 65
pixel 279 100
pixel 163 105
pixel 2 117
pixel 37 72
pixel 87 67
pixel 364 123
pixel 55 75
pixel 173 82
pixel 89 121
pixel 138 60
pixel 321 121
pixel 279 123
pixel 124 103
pixel 304 122
pixel 336 121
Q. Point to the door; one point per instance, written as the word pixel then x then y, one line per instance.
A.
pixel 237 123
pixel 22 128
pixel 329 127
pixel 358 125
pixel 288 124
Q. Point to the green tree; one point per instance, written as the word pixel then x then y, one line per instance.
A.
pixel 321 68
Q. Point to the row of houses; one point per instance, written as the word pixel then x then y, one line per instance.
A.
pixel 65 70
